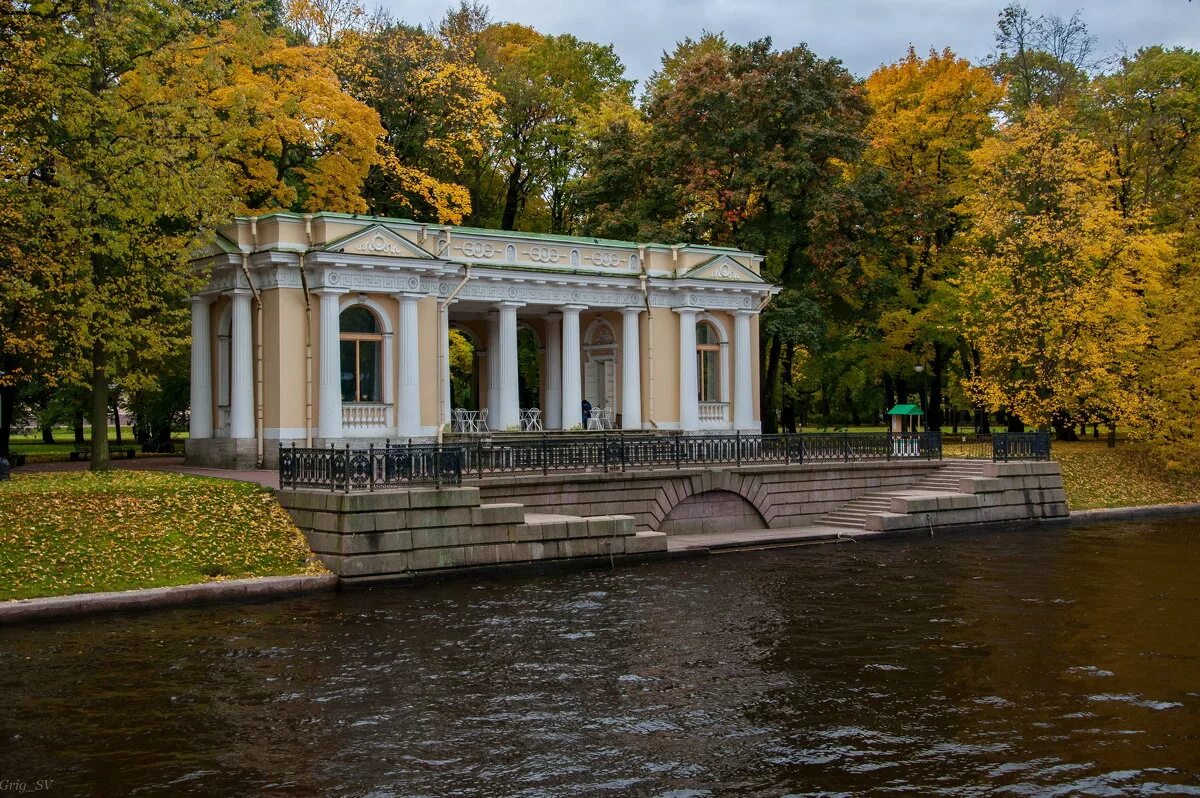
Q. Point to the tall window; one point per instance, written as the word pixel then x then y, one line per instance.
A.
pixel 708 362
pixel 362 344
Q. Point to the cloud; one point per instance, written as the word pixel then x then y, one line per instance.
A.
pixel 861 33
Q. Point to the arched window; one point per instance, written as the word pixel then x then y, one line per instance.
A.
pixel 708 362
pixel 362 347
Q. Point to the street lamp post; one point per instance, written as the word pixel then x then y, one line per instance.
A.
pixel 920 370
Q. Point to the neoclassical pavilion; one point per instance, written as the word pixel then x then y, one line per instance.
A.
pixel 331 328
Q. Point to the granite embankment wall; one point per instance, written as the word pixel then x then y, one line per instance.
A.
pixel 409 534
pixel 698 500
pixel 1006 493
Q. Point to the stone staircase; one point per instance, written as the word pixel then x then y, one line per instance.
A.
pixel 853 515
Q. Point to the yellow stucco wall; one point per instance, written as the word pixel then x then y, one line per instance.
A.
pixel 664 370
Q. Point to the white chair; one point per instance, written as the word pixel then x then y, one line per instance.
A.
pixel 595 418
pixel 608 417
pixel 531 420
pixel 481 424
pixel 459 421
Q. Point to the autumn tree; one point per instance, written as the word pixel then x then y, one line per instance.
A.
pixel 1058 285
pixel 1045 60
pixel 152 124
pixel 1146 114
pixel 744 145
pixel 437 109
pixel 291 137
pixel 548 85
pixel 930 115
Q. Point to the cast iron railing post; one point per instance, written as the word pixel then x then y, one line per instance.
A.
pixel 371 467
pixel 545 458
pixel 604 449
pixel 479 458
pixel 329 468
pixel 676 441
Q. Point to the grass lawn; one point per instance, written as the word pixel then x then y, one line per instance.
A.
pixel 1131 474
pixel 78 532
pixel 64 442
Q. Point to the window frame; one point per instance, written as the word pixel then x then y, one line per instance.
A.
pixel 358 338
pixel 702 350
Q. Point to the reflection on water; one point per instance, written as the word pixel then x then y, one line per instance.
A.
pixel 1043 662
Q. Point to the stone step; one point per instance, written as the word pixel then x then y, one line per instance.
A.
pixel 846 518
pixel 842 524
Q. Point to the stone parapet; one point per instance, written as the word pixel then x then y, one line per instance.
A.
pixel 399 534
pixel 1006 493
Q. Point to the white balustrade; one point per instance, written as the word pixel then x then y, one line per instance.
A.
pixel 365 415
pixel 714 413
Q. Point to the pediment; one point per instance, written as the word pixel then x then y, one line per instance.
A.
pixel 723 267
pixel 217 245
pixel 378 240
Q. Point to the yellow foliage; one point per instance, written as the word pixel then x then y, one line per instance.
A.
pixel 1057 286
pixel 439 111
pixel 294 138
pixel 929 113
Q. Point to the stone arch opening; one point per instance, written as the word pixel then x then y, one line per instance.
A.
pixel 712 511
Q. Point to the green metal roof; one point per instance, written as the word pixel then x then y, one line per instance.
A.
pixel 606 242
pixel 906 410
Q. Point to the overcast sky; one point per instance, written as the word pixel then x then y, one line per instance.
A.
pixel 862 33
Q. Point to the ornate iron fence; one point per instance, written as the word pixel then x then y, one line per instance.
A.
pixel 1020 446
pixel 372 468
pixel 968 445
pixel 400 465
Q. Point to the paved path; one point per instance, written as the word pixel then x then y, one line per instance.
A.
pixel 264 477
pixel 752 538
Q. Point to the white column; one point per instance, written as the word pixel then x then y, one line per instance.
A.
pixel 572 392
pixel 631 369
pixel 689 391
pixel 408 402
pixel 444 344
pixel 241 389
pixel 329 388
pixel 493 360
pixel 743 381
pixel 553 373
pixel 509 398
pixel 201 423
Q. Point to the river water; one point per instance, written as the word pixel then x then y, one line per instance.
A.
pixel 1062 662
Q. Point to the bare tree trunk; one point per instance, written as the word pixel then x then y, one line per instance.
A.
pixel 934 418
pixel 47 433
pixel 770 420
pixel 512 198
pixel 77 428
pixel 100 456
pixel 787 395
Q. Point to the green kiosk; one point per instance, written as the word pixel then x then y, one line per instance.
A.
pixel 905 430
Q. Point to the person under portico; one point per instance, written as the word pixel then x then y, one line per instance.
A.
pixel 330 329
